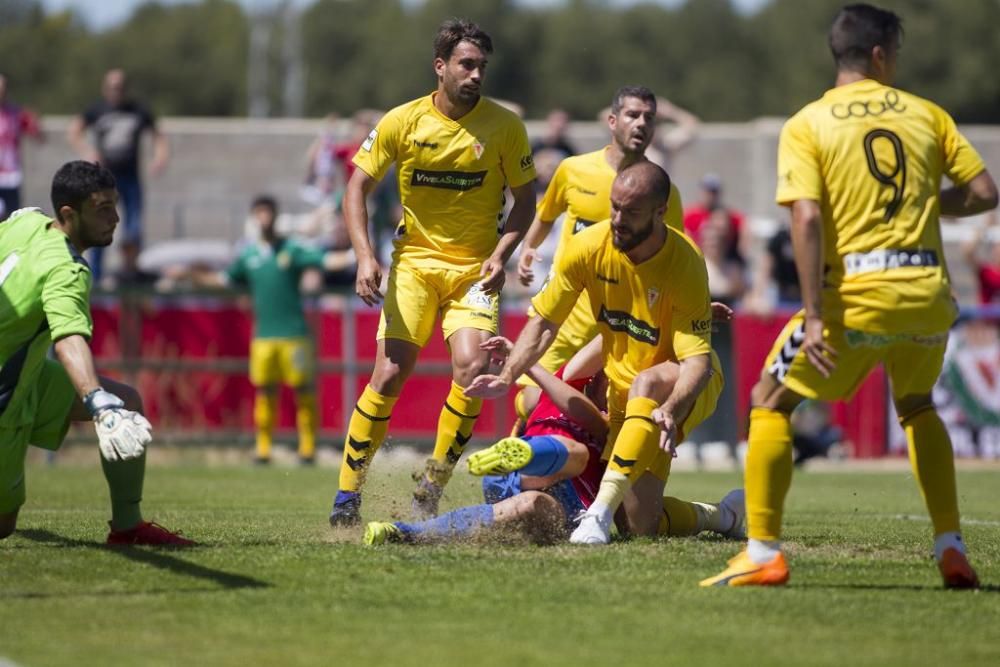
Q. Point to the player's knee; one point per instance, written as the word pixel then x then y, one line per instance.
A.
pixel 769 393
pixel 576 462
pixel 465 370
pixel 133 401
pixel 388 378
pixel 910 406
pixel 652 384
pixel 542 516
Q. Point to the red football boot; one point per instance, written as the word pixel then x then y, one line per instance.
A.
pixel 150 534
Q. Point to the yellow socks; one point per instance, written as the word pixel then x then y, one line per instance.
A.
pixel 305 421
pixel 682 518
pixel 635 449
pixel 933 463
pixel 265 411
pixel 367 429
pixel 768 473
pixel 458 417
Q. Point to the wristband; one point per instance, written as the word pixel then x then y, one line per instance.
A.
pixel 100 400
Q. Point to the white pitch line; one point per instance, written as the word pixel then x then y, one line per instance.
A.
pixel 925 519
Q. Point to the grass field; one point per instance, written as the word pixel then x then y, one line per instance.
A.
pixel 273 585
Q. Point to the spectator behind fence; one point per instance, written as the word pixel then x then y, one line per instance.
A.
pixel 725 272
pixel 118 123
pixel 324 172
pixel 987 271
pixel 697 215
pixel 15 123
pixel 775 280
pixel 555 139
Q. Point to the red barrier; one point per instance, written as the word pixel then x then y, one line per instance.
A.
pixel 863 418
pixel 189 361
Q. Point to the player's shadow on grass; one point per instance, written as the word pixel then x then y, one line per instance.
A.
pixel 156 558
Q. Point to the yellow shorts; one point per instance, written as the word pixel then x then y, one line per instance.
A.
pixel 416 295
pixel 912 362
pixel 702 409
pixel 578 330
pixel 288 361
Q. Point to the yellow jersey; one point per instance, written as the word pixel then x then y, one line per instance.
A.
pixel 646 313
pixel 451 176
pixel 873 157
pixel 581 188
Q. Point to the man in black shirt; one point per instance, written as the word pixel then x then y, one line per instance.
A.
pixel 118 123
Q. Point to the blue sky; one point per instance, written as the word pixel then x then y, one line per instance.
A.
pixel 104 13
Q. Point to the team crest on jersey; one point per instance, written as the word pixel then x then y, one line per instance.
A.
pixel 652 294
pixel 284 260
pixel 478 147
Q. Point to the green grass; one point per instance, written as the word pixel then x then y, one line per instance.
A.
pixel 273 585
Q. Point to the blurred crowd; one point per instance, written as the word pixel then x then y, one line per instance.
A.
pixel 746 269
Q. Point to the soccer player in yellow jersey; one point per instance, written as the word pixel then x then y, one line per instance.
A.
pixel 581 188
pixel 455 152
pixel 861 170
pixel 647 288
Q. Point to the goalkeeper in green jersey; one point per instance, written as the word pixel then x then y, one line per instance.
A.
pixel 45 299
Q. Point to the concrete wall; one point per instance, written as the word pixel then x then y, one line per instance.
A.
pixel 219 164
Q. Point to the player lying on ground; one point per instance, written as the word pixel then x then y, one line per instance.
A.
pixel 45 298
pixel 648 290
pixel 540 482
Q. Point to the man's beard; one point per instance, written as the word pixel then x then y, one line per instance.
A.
pixel 633 240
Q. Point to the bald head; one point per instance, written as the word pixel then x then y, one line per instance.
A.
pixel 638 202
pixel 645 179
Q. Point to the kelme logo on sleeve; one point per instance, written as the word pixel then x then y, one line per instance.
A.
pixel 620 321
pixel 449 180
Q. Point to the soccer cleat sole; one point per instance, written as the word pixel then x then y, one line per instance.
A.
pixel 744 572
pixel 381 532
pixel 505 456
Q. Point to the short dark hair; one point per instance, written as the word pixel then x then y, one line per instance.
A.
pixel 857 29
pixel 456 30
pixel 76 181
pixel 650 175
pixel 265 200
pixel 640 92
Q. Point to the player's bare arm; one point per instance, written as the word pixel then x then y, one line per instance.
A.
pixel 572 402
pixel 518 222
pixel 529 250
pixel 369 279
pixel 74 353
pixel 807 244
pixel 535 338
pixel 977 196
pixel 691 381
